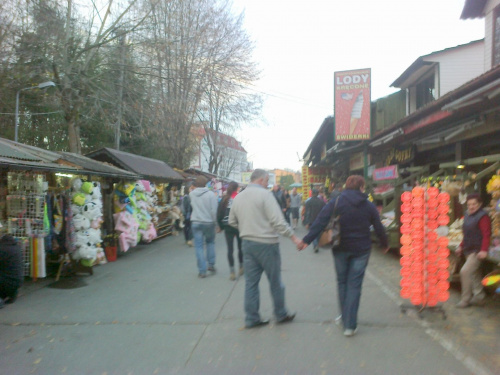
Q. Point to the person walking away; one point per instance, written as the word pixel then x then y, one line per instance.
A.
pixel 295 203
pixel 474 247
pixel 321 194
pixel 186 211
pixel 286 196
pixel 260 221
pixel 280 198
pixel 334 192
pixel 313 205
pixel 351 257
pixel 11 269
pixel 203 222
pixel 230 232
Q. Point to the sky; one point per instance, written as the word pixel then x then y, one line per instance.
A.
pixel 300 44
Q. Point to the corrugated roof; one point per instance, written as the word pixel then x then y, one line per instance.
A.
pixel 20 151
pixel 36 165
pixel 96 166
pixel 19 155
pixel 143 166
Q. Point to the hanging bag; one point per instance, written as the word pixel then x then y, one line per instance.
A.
pixel 58 217
pixel 330 237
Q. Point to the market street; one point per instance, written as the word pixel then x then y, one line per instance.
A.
pixel 148 313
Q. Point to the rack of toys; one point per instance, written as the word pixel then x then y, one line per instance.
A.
pixel 25 213
pixel 493 188
pixel 424 250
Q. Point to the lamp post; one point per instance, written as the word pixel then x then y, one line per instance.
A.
pixel 40 86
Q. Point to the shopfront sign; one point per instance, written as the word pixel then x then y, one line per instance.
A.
pixel 427 120
pixel 400 155
pixel 352 92
pixel 357 161
pixel 386 173
pixel 245 177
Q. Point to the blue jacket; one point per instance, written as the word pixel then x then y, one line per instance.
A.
pixel 357 214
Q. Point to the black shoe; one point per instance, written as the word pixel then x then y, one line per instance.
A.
pixel 258 324
pixel 287 319
pixel 316 249
pixel 2 303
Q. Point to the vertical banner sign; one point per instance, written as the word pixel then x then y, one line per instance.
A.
pixel 352 92
pixel 305 182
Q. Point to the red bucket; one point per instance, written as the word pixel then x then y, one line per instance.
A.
pixel 110 252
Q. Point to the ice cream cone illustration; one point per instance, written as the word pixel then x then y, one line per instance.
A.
pixel 356 112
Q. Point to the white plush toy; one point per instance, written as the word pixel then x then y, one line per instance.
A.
pixel 81 238
pixel 87 252
pixel 91 211
pixel 81 222
pixel 94 236
pixel 96 192
pixel 76 184
pixel 76 209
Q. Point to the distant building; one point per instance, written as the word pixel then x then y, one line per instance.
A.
pixel 287 172
pixel 233 157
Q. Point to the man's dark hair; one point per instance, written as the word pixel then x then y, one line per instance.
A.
pixel 200 181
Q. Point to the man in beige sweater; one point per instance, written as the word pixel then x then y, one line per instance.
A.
pixel 259 219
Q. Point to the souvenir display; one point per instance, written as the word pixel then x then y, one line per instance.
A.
pixel 493 188
pixel 86 208
pixel 424 252
pixel 26 215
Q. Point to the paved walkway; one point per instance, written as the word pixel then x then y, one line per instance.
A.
pixel 148 313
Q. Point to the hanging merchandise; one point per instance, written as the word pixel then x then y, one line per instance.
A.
pixel 86 208
pixel 424 260
pixel 493 188
pixel 144 203
pixel 126 223
pixel 27 218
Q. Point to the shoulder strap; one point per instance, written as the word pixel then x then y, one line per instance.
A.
pixel 335 207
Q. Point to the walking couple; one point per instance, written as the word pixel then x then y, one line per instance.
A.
pixel 357 215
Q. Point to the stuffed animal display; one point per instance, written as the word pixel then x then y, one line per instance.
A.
pixel 132 206
pixel 87 219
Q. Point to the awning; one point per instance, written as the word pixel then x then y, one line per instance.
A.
pixel 489 91
pixel 147 168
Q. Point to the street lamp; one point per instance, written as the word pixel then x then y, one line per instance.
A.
pixel 40 86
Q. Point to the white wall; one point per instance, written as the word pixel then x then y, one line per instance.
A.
pixel 458 66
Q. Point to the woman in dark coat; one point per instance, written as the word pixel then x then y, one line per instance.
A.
pixel 357 215
pixel 229 231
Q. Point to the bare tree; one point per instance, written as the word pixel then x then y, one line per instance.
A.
pixel 227 102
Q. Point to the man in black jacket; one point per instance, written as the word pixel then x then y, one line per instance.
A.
pixel 313 207
pixel 11 269
pixel 280 198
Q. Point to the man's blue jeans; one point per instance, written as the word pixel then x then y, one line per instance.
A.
pixel 350 268
pixel 204 232
pixel 257 258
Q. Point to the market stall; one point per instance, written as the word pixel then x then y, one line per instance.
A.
pixel 42 206
pixel 151 199
pixel 481 175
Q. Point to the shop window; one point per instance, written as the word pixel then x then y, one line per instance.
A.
pixel 496 37
pixel 425 92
